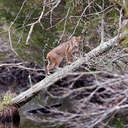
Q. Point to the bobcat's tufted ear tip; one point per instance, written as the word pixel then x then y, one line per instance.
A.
pixel 74 38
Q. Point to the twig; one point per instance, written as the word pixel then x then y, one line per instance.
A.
pixel 81 18
pixel 102 23
pixel 57 2
pixel 66 17
pixel 19 65
pixel 33 24
pixel 9 30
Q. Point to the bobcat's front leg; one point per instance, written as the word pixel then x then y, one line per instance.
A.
pixel 68 57
pixel 49 67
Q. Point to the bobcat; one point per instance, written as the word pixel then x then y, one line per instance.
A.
pixel 65 49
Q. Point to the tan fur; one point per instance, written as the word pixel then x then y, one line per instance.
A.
pixel 65 49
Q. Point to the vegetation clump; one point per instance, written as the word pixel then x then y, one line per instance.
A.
pixel 6 100
pixel 9 114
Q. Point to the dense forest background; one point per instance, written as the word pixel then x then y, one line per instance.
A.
pixel 94 93
pixel 57 21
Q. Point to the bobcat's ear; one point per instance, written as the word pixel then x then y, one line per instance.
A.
pixel 79 39
pixel 74 39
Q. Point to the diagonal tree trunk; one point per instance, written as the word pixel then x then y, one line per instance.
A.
pixel 51 79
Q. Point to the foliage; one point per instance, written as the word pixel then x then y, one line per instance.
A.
pixel 46 36
pixel 6 99
pixel 117 123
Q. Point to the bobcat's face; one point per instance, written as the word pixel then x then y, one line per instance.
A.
pixel 76 41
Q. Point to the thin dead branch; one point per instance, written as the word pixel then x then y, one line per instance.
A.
pixel 78 22
pixel 12 23
pixel 33 24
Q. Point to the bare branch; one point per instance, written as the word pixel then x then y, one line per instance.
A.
pixel 33 24
pixel 81 17
pixel 12 23
pixel 66 18
pixel 102 23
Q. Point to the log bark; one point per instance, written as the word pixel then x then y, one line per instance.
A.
pixel 51 79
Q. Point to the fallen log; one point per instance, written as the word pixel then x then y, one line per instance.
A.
pixel 51 79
